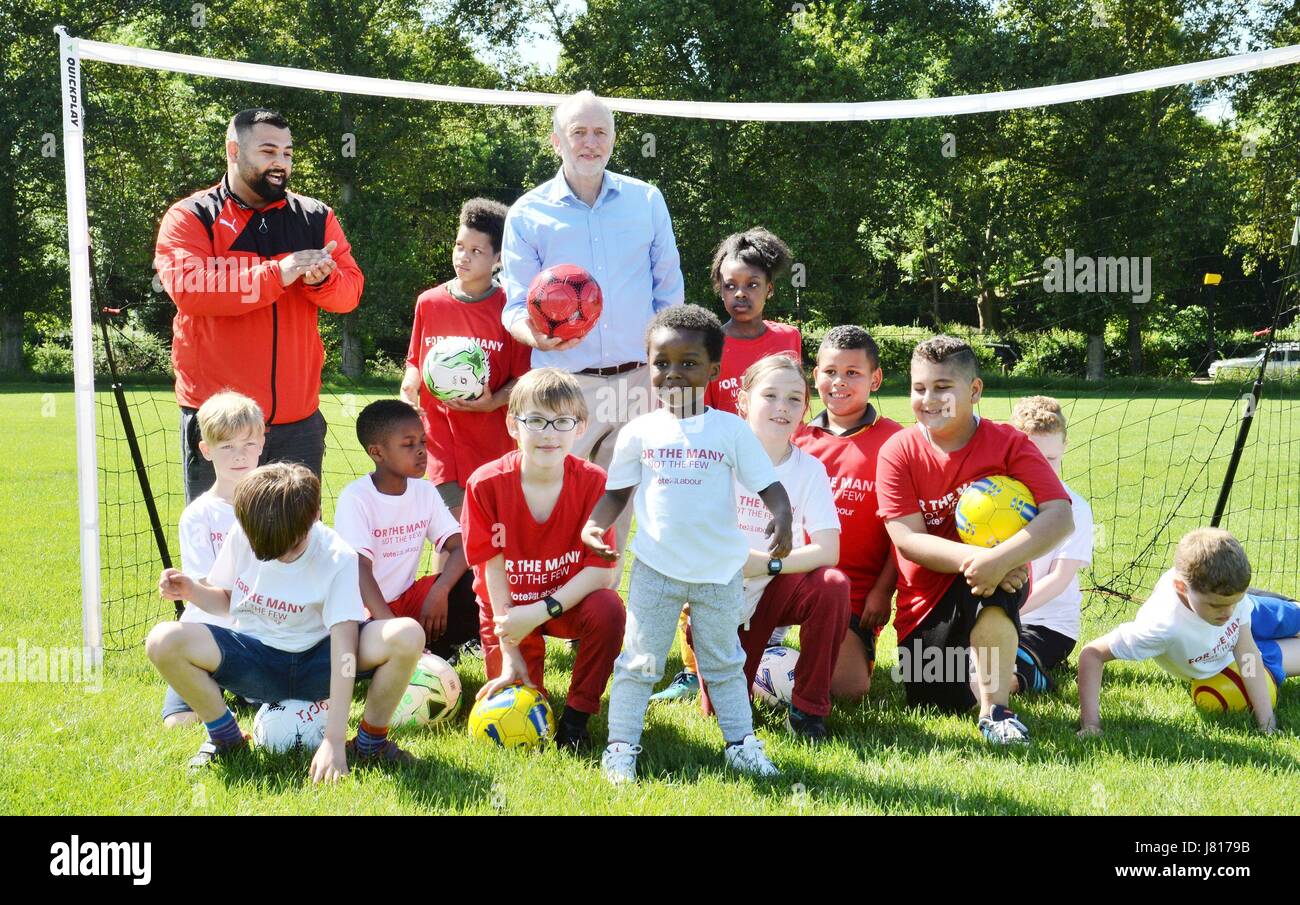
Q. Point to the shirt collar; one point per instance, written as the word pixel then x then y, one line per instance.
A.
pixel 822 422
pixel 560 190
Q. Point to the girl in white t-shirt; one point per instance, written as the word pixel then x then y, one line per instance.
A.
pixel 804 589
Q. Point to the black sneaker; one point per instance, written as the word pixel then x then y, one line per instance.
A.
pixel 209 753
pixel 571 734
pixel 805 725
pixel 1029 670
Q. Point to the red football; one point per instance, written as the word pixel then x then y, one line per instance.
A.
pixel 564 301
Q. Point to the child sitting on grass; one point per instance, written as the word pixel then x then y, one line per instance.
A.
pixel 957 602
pixel 291 584
pixel 233 433
pixel 1194 625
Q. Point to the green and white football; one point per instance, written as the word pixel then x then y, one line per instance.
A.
pixel 456 368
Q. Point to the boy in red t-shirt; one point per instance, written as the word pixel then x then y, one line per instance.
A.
pixel 846 437
pixel 952 596
pixel 523 519
pixel 462 435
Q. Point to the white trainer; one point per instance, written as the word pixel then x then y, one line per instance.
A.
pixel 618 763
pixel 748 757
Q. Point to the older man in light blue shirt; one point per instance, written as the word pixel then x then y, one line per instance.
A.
pixel 618 229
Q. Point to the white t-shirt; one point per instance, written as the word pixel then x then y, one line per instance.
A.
pixel 1181 642
pixel 1062 613
pixel 684 470
pixel 390 530
pixel 205 524
pixel 290 606
pixel 813 506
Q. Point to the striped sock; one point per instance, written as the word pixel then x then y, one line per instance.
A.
pixel 224 731
pixel 370 739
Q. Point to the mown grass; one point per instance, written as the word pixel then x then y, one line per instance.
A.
pixel 97 746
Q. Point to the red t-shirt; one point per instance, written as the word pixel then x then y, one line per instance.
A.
pixel 913 476
pixel 739 354
pixel 539 557
pixel 460 442
pixel 851 464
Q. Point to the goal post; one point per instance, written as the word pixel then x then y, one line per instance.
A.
pixel 83 372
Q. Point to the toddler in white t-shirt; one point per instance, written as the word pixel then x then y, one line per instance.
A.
pixel 1202 617
pixel 232 431
pixel 683 460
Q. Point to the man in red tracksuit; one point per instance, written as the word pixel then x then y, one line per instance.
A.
pixel 249 264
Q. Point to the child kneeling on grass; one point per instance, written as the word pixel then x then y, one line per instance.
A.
pixel 1194 625
pixel 233 433
pixel 523 518
pixel 291 584
pixel 1050 615
pixel 804 589
pixel 388 515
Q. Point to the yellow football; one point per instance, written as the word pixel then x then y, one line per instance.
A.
pixel 515 717
pixel 992 509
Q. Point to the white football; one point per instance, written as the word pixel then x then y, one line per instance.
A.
pixel 774 681
pixel 432 696
pixel 290 725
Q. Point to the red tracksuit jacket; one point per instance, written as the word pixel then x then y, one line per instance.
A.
pixel 236 326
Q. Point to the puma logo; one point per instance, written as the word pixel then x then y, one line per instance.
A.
pixel 230 223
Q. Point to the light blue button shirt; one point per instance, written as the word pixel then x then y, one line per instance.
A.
pixel 624 240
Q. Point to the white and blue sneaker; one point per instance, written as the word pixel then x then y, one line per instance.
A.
pixel 684 686
pixel 1003 727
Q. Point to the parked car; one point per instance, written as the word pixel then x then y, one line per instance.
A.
pixel 1283 361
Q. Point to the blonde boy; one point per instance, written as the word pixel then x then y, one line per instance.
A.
pixel 233 432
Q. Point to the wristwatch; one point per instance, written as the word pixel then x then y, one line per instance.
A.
pixel 774 566
pixel 553 607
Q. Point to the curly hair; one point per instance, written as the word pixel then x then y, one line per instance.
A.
pixel 755 247
pixel 485 216
pixel 691 319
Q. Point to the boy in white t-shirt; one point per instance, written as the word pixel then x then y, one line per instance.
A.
pixel 291 584
pixel 682 460
pixel 1202 617
pixel 233 432
pixel 388 515
pixel 1049 617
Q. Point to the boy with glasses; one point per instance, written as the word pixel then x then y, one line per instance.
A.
pixel 523 518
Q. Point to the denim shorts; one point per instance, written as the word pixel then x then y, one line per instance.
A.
pixel 259 672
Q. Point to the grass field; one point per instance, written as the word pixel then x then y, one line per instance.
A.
pixel 97 746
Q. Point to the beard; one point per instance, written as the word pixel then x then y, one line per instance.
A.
pixel 267 190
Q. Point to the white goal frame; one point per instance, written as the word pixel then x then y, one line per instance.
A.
pixel 72 51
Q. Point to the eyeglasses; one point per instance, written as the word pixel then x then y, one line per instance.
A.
pixel 537 424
